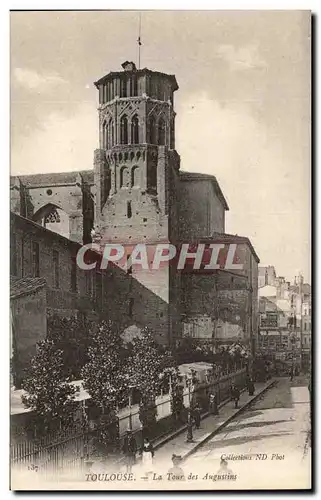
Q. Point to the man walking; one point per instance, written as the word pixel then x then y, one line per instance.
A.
pixel 235 395
pixel 130 450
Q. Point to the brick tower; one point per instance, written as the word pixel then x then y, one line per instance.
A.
pixel 137 171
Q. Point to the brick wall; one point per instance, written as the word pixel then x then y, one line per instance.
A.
pixel 29 318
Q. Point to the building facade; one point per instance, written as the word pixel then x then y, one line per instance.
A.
pixel 285 320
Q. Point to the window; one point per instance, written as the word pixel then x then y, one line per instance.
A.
pixel 105 135
pixel 124 130
pixel 135 176
pixel 133 86
pixel 73 276
pixel 161 132
pixel 123 87
pixel 153 177
pixel 110 133
pixel 52 217
pixel 89 290
pixel 129 209
pixel 172 135
pixel 124 177
pixel 35 259
pixel 152 131
pixel 135 130
pixel 13 254
pixel 55 262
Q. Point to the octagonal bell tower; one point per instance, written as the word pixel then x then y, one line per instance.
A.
pixel 136 163
pixel 137 178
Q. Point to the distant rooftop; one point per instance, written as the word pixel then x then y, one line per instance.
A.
pixel 57 178
pixel 24 286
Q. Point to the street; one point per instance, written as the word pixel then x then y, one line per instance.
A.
pixel 272 436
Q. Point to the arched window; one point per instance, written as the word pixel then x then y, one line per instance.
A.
pixel 123 87
pixel 54 218
pixel 124 177
pixel 153 177
pixel 135 130
pixel 152 131
pixel 133 86
pixel 105 135
pixel 110 133
pixel 135 176
pixel 172 134
pixel 124 130
pixel 161 132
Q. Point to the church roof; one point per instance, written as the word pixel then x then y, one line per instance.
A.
pixel 57 178
pixel 235 238
pixel 24 286
pixel 144 71
pixel 195 176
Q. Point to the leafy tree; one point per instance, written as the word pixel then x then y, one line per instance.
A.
pixel 49 393
pixel 72 337
pixel 105 377
pixel 145 372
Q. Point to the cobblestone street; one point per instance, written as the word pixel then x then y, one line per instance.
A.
pixel 276 427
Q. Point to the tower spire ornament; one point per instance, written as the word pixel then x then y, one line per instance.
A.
pixel 139 40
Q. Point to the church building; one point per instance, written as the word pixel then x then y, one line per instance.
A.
pixel 137 192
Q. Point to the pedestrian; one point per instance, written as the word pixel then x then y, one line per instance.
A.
pixel 177 473
pixel 291 373
pixel 197 416
pixel 235 395
pixel 147 452
pixel 189 437
pixel 251 387
pixel 224 468
pixel 129 450
pixel 213 407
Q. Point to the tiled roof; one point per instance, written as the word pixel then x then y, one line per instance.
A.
pixel 237 239
pixel 23 286
pixel 55 178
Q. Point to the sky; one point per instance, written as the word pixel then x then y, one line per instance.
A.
pixel 243 106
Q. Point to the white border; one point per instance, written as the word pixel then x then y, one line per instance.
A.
pixel 5 6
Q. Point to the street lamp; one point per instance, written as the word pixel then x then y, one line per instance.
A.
pixel 130 400
pixel 189 437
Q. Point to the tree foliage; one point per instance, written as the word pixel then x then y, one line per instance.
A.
pixel 72 337
pixel 104 375
pixel 146 366
pixel 49 393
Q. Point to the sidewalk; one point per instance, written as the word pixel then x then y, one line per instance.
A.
pixel 210 425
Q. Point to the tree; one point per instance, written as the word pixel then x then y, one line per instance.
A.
pixel 49 393
pixel 105 377
pixel 145 372
pixel 72 337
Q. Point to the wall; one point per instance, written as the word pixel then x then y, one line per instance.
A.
pixel 29 319
pixel 110 293
pixel 200 219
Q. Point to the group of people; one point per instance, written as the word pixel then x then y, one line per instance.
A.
pixel 130 450
pixel 236 393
